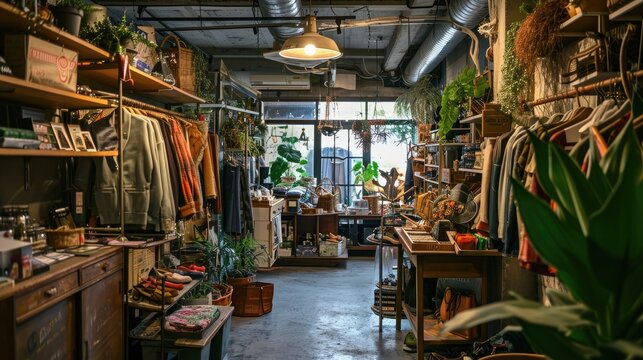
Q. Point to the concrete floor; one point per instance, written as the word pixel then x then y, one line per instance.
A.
pixel 319 313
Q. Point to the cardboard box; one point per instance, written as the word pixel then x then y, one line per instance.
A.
pixel 141 261
pixel 41 62
pixel 329 248
pixel 15 259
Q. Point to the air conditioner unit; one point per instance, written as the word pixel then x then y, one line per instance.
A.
pixel 280 82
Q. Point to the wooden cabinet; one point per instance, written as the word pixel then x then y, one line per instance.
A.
pixel 267 231
pixel 74 310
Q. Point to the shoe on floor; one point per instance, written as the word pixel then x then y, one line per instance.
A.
pixel 410 344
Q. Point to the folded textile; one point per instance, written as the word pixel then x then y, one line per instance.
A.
pixel 193 317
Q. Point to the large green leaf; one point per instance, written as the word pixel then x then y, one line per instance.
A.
pixel 571 185
pixel 630 349
pixel 612 163
pixel 595 175
pixel 555 344
pixel 561 245
pixel 559 318
pixel 277 169
pixel 289 153
pixel 541 153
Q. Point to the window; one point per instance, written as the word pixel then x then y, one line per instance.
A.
pixel 383 110
pixel 343 110
pixel 393 153
pixel 276 110
pixel 276 135
pixel 338 165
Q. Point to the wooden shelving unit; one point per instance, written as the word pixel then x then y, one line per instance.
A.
pixel 14 20
pixel 475 119
pixel 632 11
pixel 143 305
pixel 142 83
pixel 28 93
pixel 475 171
pixel 432 329
pixel 580 23
pixel 55 153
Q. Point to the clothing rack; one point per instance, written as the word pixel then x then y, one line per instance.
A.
pixel 145 106
pixel 583 90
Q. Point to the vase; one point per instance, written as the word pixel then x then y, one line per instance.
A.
pixel 68 18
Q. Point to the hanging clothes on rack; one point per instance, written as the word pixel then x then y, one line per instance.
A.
pixel 215 149
pixel 237 206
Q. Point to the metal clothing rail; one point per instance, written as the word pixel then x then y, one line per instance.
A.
pixel 145 106
pixel 228 107
pixel 583 90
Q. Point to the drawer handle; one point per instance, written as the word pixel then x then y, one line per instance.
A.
pixel 51 292
pixel 104 267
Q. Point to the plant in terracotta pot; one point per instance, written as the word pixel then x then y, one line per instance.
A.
pixel 244 267
pixel 592 236
pixel 69 13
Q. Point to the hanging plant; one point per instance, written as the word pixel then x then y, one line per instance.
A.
pixel 454 98
pixel 538 34
pixel 514 79
pixel 420 102
pixel 202 81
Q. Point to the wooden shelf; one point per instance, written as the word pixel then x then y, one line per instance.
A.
pixel 143 83
pixel 432 166
pixel 580 23
pixel 629 12
pixel 475 171
pixel 434 131
pixel 210 333
pixel 144 305
pixel 42 96
pixel 55 153
pixel 475 119
pixel 594 78
pixel 139 244
pixel 14 20
pixel 419 159
pixel 432 328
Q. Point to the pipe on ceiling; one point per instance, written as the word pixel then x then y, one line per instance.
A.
pixel 278 9
pixel 443 38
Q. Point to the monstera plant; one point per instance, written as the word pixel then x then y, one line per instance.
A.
pixel 288 162
pixel 591 232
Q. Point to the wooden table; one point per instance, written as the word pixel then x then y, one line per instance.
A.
pixel 442 264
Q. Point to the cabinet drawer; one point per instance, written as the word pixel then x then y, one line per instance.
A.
pixel 102 267
pixel 45 294
pixel 49 335
pixel 266 213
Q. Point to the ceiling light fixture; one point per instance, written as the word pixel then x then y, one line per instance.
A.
pixel 310 45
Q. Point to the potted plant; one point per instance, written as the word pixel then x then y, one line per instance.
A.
pixel 215 271
pixel 593 239
pixel 455 97
pixel 199 295
pixel 116 39
pixel 365 174
pixel 420 102
pixel 288 163
pixel 69 13
pixel 244 267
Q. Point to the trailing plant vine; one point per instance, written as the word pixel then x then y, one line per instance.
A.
pixel 514 79
pixel 202 81
pixel 454 96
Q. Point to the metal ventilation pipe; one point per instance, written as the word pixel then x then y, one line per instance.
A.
pixel 282 8
pixel 443 38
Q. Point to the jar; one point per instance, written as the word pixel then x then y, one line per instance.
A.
pixel 22 222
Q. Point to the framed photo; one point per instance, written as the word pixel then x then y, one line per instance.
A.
pixel 89 142
pixel 45 134
pixel 77 140
pixel 62 139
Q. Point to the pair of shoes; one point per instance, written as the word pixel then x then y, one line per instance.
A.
pixel 410 343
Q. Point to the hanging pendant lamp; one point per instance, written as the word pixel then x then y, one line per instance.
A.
pixel 310 45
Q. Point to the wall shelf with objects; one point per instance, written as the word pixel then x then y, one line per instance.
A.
pixel 142 83
pixel 632 11
pixel 15 20
pixel 37 95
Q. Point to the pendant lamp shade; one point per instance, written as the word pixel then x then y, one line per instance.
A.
pixel 310 45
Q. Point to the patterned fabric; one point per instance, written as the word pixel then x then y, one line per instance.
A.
pixel 193 317
pixel 189 177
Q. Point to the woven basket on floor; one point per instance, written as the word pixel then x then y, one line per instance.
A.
pixel 180 62
pixel 254 299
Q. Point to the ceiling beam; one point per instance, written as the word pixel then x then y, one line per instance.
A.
pixel 245 3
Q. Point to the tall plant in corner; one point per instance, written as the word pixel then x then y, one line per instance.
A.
pixel 592 236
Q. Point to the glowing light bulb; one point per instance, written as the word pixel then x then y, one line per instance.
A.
pixel 310 49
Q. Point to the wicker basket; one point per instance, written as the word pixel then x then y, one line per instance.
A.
pixel 254 299
pixel 226 295
pixel 328 195
pixel 65 237
pixel 180 62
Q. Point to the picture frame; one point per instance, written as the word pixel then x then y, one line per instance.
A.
pixel 76 134
pixel 89 142
pixel 62 138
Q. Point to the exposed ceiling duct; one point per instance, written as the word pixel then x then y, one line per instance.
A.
pixel 280 9
pixel 442 38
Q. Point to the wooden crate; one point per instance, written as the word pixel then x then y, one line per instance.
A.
pixel 254 299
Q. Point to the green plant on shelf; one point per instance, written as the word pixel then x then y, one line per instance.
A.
pixel 593 239
pixel 114 38
pixel 289 162
pixel 81 5
pixel 454 98
pixel 365 174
